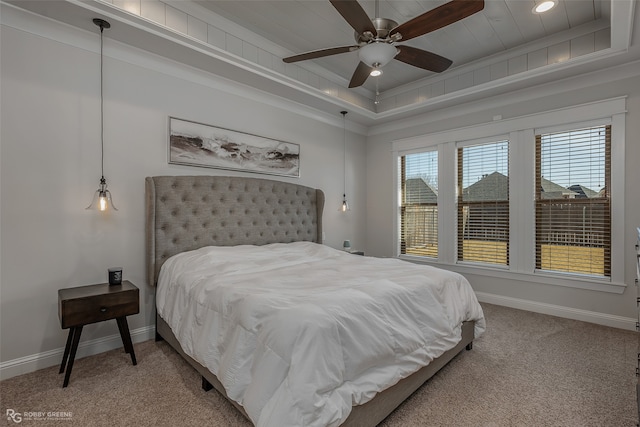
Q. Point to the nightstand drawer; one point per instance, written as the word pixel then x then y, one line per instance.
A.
pixel 84 305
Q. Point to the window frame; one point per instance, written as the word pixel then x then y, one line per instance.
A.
pixel 461 146
pixel 520 132
pixel 401 202
pixel 542 204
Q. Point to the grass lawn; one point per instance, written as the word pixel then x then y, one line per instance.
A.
pixel 571 259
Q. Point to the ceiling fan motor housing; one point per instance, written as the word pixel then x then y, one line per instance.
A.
pixel 383 26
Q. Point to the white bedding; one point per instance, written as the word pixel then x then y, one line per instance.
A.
pixel 298 333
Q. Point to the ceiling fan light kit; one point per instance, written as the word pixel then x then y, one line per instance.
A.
pixel 376 38
pixel 377 54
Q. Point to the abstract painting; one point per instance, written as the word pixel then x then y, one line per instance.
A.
pixel 197 144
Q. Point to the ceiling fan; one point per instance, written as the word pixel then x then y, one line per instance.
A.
pixel 376 38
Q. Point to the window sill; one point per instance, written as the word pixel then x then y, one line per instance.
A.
pixel 547 278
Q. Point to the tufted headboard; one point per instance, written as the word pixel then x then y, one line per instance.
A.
pixel 188 212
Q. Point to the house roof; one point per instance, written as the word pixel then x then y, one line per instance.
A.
pixel 551 190
pixel 583 192
pixel 418 191
pixel 494 186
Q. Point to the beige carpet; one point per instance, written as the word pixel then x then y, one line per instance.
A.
pixel 527 370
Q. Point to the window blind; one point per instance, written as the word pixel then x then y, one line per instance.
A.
pixel 573 206
pixel 419 204
pixel 483 203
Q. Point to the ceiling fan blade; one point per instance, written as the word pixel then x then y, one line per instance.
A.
pixel 423 59
pixel 437 18
pixel 355 15
pixel 320 53
pixel 360 75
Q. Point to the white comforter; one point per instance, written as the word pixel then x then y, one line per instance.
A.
pixel 298 333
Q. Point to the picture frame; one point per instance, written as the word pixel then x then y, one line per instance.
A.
pixel 201 145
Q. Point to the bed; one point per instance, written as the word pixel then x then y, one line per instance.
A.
pixel 222 219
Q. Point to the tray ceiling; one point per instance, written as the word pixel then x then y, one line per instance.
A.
pixel 305 25
pixel 503 48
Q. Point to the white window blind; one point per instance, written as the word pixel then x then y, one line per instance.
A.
pixel 483 203
pixel 419 204
pixel 573 206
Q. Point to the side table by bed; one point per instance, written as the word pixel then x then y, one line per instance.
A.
pixel 95 303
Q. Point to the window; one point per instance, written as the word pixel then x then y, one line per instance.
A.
pixel 419 204
pixel 573 212
pixel 537 199
pixel 483 203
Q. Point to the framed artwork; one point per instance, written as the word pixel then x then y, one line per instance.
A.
pixel 198 144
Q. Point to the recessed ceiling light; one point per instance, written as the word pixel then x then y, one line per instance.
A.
pixel 544 6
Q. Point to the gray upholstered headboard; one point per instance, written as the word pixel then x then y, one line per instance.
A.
pixel 188 212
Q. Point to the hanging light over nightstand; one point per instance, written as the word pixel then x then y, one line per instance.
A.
pixel 102 197
pixel 345 205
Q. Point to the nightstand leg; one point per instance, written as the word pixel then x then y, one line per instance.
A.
pixel 77 331
pixel 67 347
pixel 126 338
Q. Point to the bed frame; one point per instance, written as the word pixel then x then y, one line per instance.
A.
pixel 188 212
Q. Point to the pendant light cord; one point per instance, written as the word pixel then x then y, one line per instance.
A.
pixel 344 153
pixel 101 107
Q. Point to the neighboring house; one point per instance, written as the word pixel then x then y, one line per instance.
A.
pixel 420 219
pixel 487 200
pixel 495 187
pixel 485 208
pixel 417 191
pixel 583 192
pixel 551 190
pixel 491 187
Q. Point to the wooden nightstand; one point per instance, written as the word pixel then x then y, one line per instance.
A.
pixel 95 303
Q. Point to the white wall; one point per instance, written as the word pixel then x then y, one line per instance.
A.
pixel 50 167
pixel 601 307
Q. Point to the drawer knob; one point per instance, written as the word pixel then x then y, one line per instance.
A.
pixel 103 309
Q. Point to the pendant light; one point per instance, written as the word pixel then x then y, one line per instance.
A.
pixel 345 204
pixel 102 197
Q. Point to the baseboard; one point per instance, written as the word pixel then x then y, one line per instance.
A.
pixel 560 311
pixel 49 358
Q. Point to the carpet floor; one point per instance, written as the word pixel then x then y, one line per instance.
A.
pixel 528 369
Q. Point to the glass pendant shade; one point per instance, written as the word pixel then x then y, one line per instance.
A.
pixel 102 198
pixel 345 205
